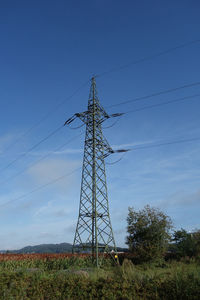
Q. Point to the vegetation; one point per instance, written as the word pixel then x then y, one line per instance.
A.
pixel 157 266
pixel 11 262
pixel 186 244
pixel 148 233
pixel 71 278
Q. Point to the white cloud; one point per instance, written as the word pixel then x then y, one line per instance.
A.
pixel 182 199
pixel 59 152
pixel 49 170
pixel 52 209
pixel 133 144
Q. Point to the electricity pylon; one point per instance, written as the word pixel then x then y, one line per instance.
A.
pixel 94 231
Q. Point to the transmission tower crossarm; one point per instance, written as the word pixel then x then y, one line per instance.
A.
pixel 84 115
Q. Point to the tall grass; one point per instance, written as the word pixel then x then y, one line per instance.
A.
pixel 59 279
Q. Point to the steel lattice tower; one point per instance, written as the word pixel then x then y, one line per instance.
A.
pixel 94 230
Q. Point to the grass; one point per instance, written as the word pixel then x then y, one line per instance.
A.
pixel 69 278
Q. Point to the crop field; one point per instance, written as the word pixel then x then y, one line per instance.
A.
pixel 35 256
pixel 67 276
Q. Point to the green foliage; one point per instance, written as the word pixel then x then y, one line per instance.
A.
pixel 148 233
pixel 186 244
pixel 174 281
pixel 49 264
pixel 45 264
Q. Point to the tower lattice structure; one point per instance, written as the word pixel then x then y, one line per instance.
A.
pixel 94 231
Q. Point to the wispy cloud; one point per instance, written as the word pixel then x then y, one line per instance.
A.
pixel 5 141
pixel 182 199
pixel 153 141
pixel 49 170
pixel 133 144
pixel 52 210
pixel 48 153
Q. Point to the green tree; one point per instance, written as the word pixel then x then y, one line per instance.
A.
pixel 148 233
pixel 196 236
pixel 186 244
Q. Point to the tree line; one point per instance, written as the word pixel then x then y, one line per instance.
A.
pixel 151 236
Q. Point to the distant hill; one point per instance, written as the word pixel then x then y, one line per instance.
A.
pixel 44 248
pixel 47 248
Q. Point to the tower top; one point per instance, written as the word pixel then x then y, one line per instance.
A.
pixel 93 78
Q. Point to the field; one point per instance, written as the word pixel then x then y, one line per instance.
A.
pixel 66 276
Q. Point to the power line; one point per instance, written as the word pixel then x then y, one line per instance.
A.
pixel 114 123
pixel 39 188
pixel 148 57
pixel 99 75
pixel 156 94
pixel 167 143
pixel 56 107
pixel 144 108
pixel 139 109
pixel 155 146
pixel 39 160
pixel 115 162
pixel 152 106
pixel 75 170
pixel 33 147
pixel 162 103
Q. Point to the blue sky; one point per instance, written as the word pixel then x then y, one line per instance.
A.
pixel 51 48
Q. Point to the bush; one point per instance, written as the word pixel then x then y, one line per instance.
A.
pixel 148 233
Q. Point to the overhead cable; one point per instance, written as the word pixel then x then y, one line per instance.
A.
pixel 150 57
pixel 39 188
pixel 152 106
pixel 100 75
pixel 32 148
pixel 167 143
pixel 75 170
pixel 156 94
pixel 162 103
pixel 155 146
pixel 39 160
pixel 56 107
